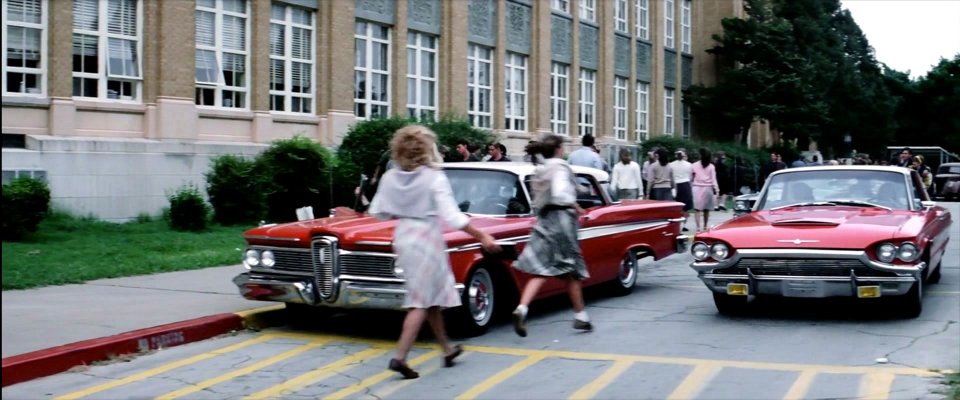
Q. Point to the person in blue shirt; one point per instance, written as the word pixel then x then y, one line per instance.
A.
pixel 585 155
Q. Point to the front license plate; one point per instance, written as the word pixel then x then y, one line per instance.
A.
pixel 803 289
pixel 868 292
pixel 738 289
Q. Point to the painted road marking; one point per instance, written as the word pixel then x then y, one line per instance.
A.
pixel 694 382
pixel 242 371
pixel 876 385
pixel 591 389
pixel 801 385
pixel 375 379
pixel 400 384
pixel 318 374
pixel 159 370
pixel 499 377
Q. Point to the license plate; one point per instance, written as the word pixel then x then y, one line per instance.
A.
pixel 737 289
pixel 868 292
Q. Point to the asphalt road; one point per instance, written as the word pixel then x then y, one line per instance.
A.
pixel 665 340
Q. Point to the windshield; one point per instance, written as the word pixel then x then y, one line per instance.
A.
pixel 949 169
pixel 488 192
pixel 860 188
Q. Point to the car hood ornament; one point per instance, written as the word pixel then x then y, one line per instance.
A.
pixel 798 241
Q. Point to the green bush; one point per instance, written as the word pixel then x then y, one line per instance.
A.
pixel 294 173
pixel 188 211
pixel 26 201
pixel 232 190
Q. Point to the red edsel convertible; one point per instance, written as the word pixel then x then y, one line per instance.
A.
pixel 854 231
pixel 346 261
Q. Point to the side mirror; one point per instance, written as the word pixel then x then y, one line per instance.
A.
pixel 928 204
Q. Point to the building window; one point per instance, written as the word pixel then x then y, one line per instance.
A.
pixel 643 19
pixel 588 10
pixel 643 107
pixel 620 108
pixel 620 16
pixel 668 104
pixel 668 40
pixel 371 93
pixel 686 121
pixel 291 59
pixel 559 98
pixel 480 86
pixel 685 32
pixel 515 84
pixel 560 5
pixel 222 56
pixel 106 48
pixel 421 75
pixel 25 42
pixel 588 87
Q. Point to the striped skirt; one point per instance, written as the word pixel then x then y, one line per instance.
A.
pixel 553 249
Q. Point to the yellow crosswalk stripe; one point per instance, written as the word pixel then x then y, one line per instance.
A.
pixel 318 374
pixel 240 372
pixel 501 376
pixel 167 367
pixel 375 379
pixel 876 385
pixel 694 382
pixel 800 386
pixel 591 389
pixel 393 387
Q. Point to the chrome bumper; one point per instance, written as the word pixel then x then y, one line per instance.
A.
pixel 683 243
pixel 810 285
pixel 351 294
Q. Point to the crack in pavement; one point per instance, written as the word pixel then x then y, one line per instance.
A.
pixel 946 326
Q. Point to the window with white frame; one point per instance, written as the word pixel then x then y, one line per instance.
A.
pixel 668 39
pixel 620 16
pixel 515 85
pixel 480 86
pixel 686 121
pixel 560 5
pixel 620 108
pixel 25 42
pixel 685 29
pixel 643 104
pixel 668 112
pixel 222 56
pixel 421 75
pixel 291 59
pixel 371 94
pixel 643 19
pixel 588 10
pixel 587 120
pixel 559 98
pixel 106 49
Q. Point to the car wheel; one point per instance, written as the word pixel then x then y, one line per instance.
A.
pixel 730 305
pixel 935 274
pixel 910 305
pixel 479 300
pixel 626 275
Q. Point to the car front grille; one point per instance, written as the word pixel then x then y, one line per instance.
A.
pixel 800 267
pixel 290 260
pixel 324 254
pixel 374 265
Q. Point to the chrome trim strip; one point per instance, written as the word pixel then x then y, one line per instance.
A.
pixel 373 243
pixel 675 219
pixel 600 231
pixel 368 253
pixel 358 278
pixel 293 249
pixel 279 239
pixel 810 278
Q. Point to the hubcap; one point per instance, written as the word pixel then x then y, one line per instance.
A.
pixel 480 296
pixel 628 270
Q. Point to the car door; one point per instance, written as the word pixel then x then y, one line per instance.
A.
pixel 936 220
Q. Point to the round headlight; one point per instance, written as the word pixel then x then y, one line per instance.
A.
pixel 908 252
pixel 741 205
pixel 397 270
pixel 886 252
pixel 267 259
pixel 251 258
pixel 719 251
pixel 700 251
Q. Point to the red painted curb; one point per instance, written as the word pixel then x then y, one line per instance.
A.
pixel 41 363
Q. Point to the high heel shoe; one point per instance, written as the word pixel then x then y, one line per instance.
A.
pixel 403 369
pixel 448 359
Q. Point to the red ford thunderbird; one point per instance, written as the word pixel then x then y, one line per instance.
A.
pixel 856 231
pixel 346 261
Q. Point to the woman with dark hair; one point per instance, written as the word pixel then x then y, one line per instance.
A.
pixel 705 188
pixel 661 178
pixel 417 194
pixel 553 249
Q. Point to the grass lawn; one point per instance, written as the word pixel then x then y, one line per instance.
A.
pixel 70 250
pixel 952 380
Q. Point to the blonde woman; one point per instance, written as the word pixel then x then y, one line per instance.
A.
pixel 418 194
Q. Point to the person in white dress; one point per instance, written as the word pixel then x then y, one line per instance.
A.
pixel 626 178
pixel 419 196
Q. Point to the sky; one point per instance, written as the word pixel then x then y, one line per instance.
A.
pixel 909 34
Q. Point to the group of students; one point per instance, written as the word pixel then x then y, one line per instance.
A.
pixel 416 192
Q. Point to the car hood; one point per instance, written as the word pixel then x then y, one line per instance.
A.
pixel 363 230
pixel 813 227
